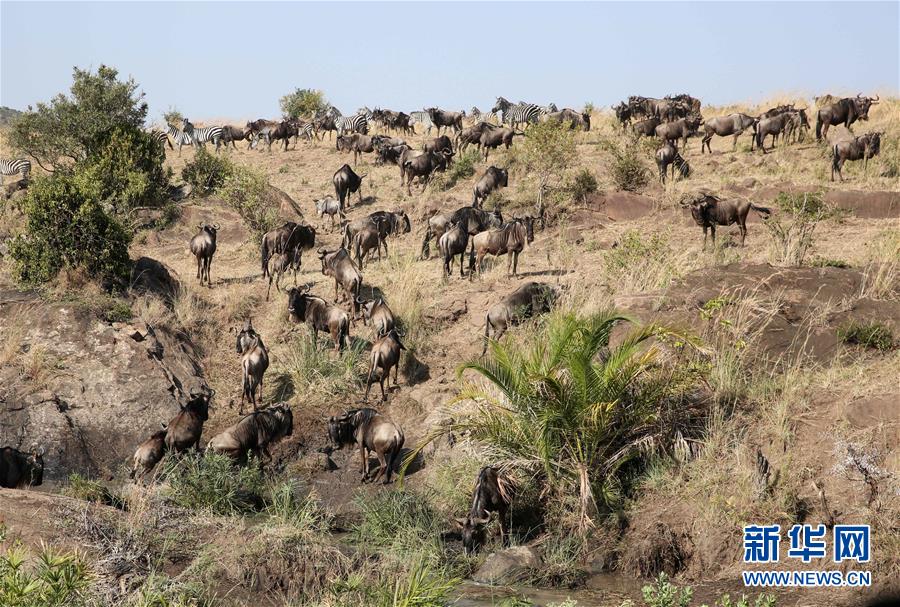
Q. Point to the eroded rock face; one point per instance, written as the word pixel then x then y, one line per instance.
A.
pixel 85 390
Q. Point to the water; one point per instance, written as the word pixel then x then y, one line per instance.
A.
pixel 604 590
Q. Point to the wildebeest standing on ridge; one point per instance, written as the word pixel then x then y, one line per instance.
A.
pixel 709 211
pixel 18 469
pixel 859 148
pixel 203 246
pixel 254 433
pixel 319 315
pixel 371 432
pixel 846 111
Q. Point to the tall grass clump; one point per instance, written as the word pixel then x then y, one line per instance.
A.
pixel 568 408
pixel 313 368
pixel 53 580
pixel 625 164
pixel 791 231
pixel 288 503
pixel 881 273
pixel 213 483
pixel 640 263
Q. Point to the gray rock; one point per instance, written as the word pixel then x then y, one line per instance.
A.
pixel 509 566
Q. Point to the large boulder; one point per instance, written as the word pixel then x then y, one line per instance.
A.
pixel 85 390
pixel 509 566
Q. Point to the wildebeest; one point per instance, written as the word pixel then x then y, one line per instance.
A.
pixel 253 128
pixel 184 430
pixel 347 182
pixel 680 129
pixel 367 239
pixel 668 155
pixel 859 148
pixel 732 124
pixel 324 124
pixel 796 126
pixel 283 131
pixel 254 433
pixel 230 134
pixel 19 469
pixel 392 222
pixel 494 178
pixel 475 221
pixel 646 127
pixel 339 265
pixel 454 241
pixel 530 299
pixel 356 143
pixel 405 155
pixel 623 114
pixel 331 207
pixel 709 211
pixel 291 238
pixel 279 264
pixel 492 493
pixel 575 120
pixel 846 111
pixel 508 240
pixel 319 315
pixel 472 135
pixel 494 138
pixel 385 356
pixel 390 154
pixel 371 432
pixel 203 246
pixel 378 313
pixel 442 119
pixel 424 167
pixel 148 454
pixel 254 362
pixel 771 126
pixel 438 144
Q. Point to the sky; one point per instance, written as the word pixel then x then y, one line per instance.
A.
pixel 236 59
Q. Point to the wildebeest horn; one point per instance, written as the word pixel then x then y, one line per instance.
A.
pixel 360 300
pixel 461 521
pixel 876 99
pixel 481 521
pixel 215 226
pixel 164 425
pixel 41 451
pixel 363 175
pixel 201 224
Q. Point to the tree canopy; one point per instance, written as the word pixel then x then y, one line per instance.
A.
pixel 303 103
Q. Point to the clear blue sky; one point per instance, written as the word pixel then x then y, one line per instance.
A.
pixel 235 60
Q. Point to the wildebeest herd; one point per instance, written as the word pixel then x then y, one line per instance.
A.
pixel 467 231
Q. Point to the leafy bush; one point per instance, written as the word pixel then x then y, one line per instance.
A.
pixel 827 262
pixel 67 227
pixel 173 117
pixel 665 594
pixel 89 490
pixel 583 185
pixel 792 237
pixel 463 167
pixel 247 191
pixel 214 484
pixel 207 172
pixel 867 334
pixel 626 166
pixel 55 580
pixel 303 103
pixel 546 152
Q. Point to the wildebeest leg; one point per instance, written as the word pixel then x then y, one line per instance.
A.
pixel 734 145
pixel 712 229
pixel 382 467
pixel 372 364
pixel 386 372
pixel 462 257
pixel 396 374
pixel 704 238
pixel 363 454
pixel 199 261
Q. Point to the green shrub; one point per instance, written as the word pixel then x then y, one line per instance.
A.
pixel 546 153
pixel 89 490
pixel 463 167
pixel 825 262
pixel 870 334
pixel 67 227
pixel 583 185
pixel 791 231
pixel 117 311
pixel 213 483
pixel 665 594
pixel 173 117
pixel 303 103
pixel 625 165
pixel 247 191
pixel 55 580
pixel 207 172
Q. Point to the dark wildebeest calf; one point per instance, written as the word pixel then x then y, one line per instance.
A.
pixel 371 432
pixel 859 148
pixel 530 299
pixel 346 182
pixel 184 430
pixel 18 469
pixel 493 493
pixel 668 155
pixel 709 211
pixel 385 355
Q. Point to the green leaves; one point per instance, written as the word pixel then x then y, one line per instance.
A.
pixel 303 103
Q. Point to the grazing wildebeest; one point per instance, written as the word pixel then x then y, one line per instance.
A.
pixel 709 211
pixel 279 264
pixel 371 432
pixel 357 143
pixel 506 240
pixel 378 313
pixel 859 148
pixel 454 241
pixel 254 433
pixel 438 144
pixel 668 155
pixel 254 362
pixel 680 129
pixel 574 119
pixel 493 179
pixel 771 126
pixel 528 300
pixel 331 207
pixel 623 114
pixel 19 469
pixel 230 134
pixel 646 127
pixel 323 124
pixel 472 135
pixel 366 240
pixel 290 238
pixel 339 265
pixel 493 493
pixel 424 167
pixel 442 119
pixel 846 111
pixel 385 356
pixel 319 315
pixel 203 246
pixel 347 182
pixel 147 455
pixel 183 431
pixel 796 126
pixel 732 124
pixel 494 138
pixel 390 154
pixel 475 221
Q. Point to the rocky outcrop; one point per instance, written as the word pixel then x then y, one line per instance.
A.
pixel 509 566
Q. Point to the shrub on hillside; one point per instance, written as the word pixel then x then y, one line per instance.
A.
pixel 174 118
pixel 463 167
pixel 546 152
pixel 303 103
pixel 625 165
pixel 247 191
pixel 791 231
pixel 870 334
pixel 583 185
pixel 207 172
pixel 212 483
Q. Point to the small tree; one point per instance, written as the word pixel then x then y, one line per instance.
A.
pixel 207 172
pixel 625 165
pixel 792 230
pixel 173 117
pixel 303 103
pixel 74 127
pixel 247 191
pixel 547 151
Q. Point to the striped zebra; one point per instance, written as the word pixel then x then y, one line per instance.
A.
pixel 421 118
pixel 162 137
pixel 199 136
pixel 179 137
pixel 11 167
pixel 479 116
pixel 353 124
pixel 515 114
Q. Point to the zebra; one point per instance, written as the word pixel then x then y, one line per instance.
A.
pixel 162 137
pixel 179 137
pixel 421 118
pixel 353 124
pixel 304 130
pixel 11 167
pixel 203 134
pixel 518 113
pixel 479 116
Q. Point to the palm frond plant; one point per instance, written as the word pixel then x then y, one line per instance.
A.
pixel 567 407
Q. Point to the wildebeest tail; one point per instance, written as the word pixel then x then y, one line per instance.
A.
pixel 487 325
pixel 761 210
pixel 264 256
pixel 818 127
